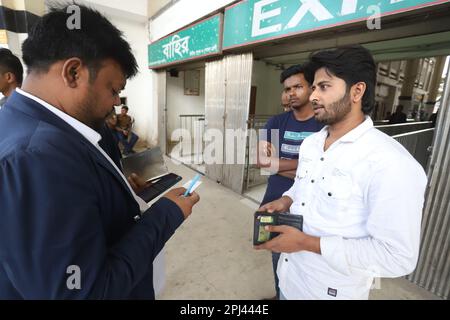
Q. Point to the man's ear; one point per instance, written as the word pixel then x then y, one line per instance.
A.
pixel 10 77
pixel 357 92
pixel 73 72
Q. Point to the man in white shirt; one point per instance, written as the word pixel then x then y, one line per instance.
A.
pixel 360 192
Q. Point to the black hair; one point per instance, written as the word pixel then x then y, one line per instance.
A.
pixel 10 63
pixel 51 40
pixel 304 69
pixel 353 64
pixel 125 107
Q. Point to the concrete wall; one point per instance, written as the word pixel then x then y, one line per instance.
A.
pixel 178 103
pixel 138 90
pixel 136 10
pixel 268 95
pixel 15 40
pixel 155 5
pixel 181 14
pixel 34 6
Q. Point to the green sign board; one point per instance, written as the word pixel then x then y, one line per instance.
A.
pixel 200 40
pixel 252 21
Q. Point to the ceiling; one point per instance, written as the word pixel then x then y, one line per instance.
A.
pixel 431 45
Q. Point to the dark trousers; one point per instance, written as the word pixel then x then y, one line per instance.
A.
pixel 275 256
pixel 128 145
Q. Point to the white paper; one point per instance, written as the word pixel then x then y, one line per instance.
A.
pixel 187 185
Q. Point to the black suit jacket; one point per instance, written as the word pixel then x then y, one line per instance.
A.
pixel 64 206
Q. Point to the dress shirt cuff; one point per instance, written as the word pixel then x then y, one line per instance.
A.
pixel 333 251
pixel 289 193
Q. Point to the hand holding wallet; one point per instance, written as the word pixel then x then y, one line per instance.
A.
pixel 263 219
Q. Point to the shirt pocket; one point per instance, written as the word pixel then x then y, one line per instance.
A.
pixel 302 172
pixel 302 190
pixel 334 195
pixel 304 169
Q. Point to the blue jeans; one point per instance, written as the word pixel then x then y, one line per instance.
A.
pixel 127 145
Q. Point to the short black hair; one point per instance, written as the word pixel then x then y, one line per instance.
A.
pixel 305 69
pixel 353 64
pixel 10 63
pixel 125 107
pixel 51 40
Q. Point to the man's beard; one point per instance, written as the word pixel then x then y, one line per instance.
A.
pixel 336 111
pixel 89 105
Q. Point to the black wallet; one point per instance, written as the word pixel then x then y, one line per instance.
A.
pixel 263 219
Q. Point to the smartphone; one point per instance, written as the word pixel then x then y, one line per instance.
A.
pixel 159 186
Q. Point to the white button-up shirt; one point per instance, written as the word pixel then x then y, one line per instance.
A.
pixel 364 198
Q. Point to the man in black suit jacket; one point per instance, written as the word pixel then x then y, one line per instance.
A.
pixel 72 227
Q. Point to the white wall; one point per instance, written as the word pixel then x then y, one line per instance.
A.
pixel 139 7
pixel 178 103
pixel 139 89
pixel 268 95
pixel 181 14
pixel 136 10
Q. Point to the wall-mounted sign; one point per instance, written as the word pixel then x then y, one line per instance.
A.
pixel 253 21
pixel 199 40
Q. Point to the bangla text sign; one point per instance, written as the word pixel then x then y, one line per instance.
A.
pixel 253 21
pixel 199 40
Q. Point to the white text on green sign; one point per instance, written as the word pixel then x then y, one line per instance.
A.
pixel 256 20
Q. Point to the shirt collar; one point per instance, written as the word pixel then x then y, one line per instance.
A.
pixel 356 133
pixel 351 136
pixel 90 134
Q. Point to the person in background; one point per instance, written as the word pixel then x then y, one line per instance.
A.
pixel 398 116
pixel 124 133
pixel 279 154
pixel 110 142
pixel 11 74
pixel 433 118
pixel 360 192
